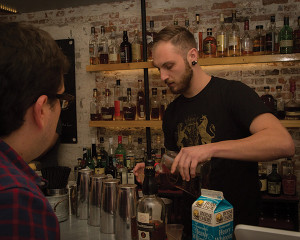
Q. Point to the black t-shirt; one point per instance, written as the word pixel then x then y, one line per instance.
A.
pixel 223 110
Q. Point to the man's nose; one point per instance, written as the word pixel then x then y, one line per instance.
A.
pixel 163 75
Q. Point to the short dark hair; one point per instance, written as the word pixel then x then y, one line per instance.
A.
pixel 31 65
pixel 179 36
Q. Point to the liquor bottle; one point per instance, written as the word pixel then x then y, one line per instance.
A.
pixel 209 45
pixel 259 41
pixel 118 102
pixel 198 35
pixel 103 154
pixel 137 48
pixel 130 154
pixel 247 44
pixel 90 162
pixel 103 47
pixel 175 22
pixel 140 151
pixel 222 38
pixel 125 49
pixel 140 101
pixel 286 38
pixel 268 99
pixel 163 103
pixel 274 182
pixel 129 108
pixel 289 180
pixel 262 176
pixel 272 44
pixel 113 49
pixel 234 37
pixel 110 169
pixel 187 24
pixel 157 149
pixel 280 114
pixel 150 208
pixel 94 150
pixel 111 150
pixel 84 158
pixel 120 154
pixel 99 168
pixel 150 38
pixel 297 38
pixel 107 110
pixel 95 110
pixel 292 107
pixel 93 51
pixel 154 105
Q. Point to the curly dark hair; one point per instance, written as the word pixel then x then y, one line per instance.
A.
pixel 31 65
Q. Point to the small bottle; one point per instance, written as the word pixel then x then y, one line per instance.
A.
pixel 259 41
pixel 272 44
pixel 157 146
pixel 113 49
pixel 286 38
pixel 95 108
pixel 222 38
pixel 262 176
pixel 107 110
pixel 150 208
pixel 297 38
pixel 209 45
pixel 163 103
pixel 234 38
pixel 103 154
pixel 198 35
pixel 89 161
pixel 140 151
pixel 274 182
pixel 292 107
pixel 103 47
pixel 140 101
pixel 280 114
pixel 129 108
pixel 268 99
pixel 120 154
pixel 187 24
pixel 118 100
pixel 137 48
pixel 151 34
pixel 247 44
pixel 93 51
pixel 154 105
pixel 289 179
pixel 130 154
pixel 175 23
pixel 125 49
pixel 111 150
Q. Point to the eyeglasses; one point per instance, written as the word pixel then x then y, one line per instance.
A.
pixel 65 100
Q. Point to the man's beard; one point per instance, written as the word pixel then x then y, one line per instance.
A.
pixel 184 84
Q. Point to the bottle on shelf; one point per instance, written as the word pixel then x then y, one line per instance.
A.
pixel 154 105
pixel 103 47
pixel 84 158
pixel 110 169
pixel 130 154
pixel 296 48
pixel 93 50
pixel 163 103
pixel 209 45
pixel 221 38
pixel 292 107
pixel 94 150
pixel 156 149
pixel 234 38
pixel 274 182
pixel 140 151
pixel 262 176
pixel 247 43
pixel 125 49
pixel 140 101
pixel 137 48
pixel 120 154
pixel 103 154
pixel 286 38
pixel 198 35
pixel 289 179
pixel 89 161
pixel 99 168
pixel 259 41
pixel 111 150
pixel 129 108
pixel 187 24
pixel 150 38
pixel 268 99
pixel 113 49
pixel 150 208
pixel 118 100
pixel 107 110
pixel 279 102
pixel 272 44
pixel 95 107
pixel 175 23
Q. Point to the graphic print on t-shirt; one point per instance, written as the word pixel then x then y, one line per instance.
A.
pixel 195 130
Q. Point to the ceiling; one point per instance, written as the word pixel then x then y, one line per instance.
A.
pixel 25 6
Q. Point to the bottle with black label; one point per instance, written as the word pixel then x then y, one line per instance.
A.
pixel 274 182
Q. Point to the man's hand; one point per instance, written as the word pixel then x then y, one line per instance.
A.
pixel 138 171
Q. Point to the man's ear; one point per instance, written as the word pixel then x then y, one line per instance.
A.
pixel 192 55
pixel 39 111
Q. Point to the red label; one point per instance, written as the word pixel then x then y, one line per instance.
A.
pixel 117 108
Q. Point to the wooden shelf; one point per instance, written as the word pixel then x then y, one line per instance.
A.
pixel 290 123
pixel 201 61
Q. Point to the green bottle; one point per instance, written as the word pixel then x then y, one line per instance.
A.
pixel 286 38
pixel 120 154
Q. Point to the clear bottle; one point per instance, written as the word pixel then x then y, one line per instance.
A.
pixel 279 102
pixel 222 38
pixel 125 49
pixel 163 103
pixel 113 49
pixel 137 48
pixel 234 37
pixel 286 38
pixel 150 208
pixel 129 108
pixel 209 45
pixel 140 151
pixel 292 107
pixel 93 51
pixel 95 107
pixel 111 150
pixel 247 44
pixel 130 154
pixel 272 44
pixel 198 35
pixel 151 34
pixel 289 179
pixel 140 101
pixel 296 48
pixel 154 105
pixel 103 47
pixel 268 99
pixel 156 149
pixel 259 41
pixel 107 110
pixel 118 100
pixel 120 154
pixel 274 182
